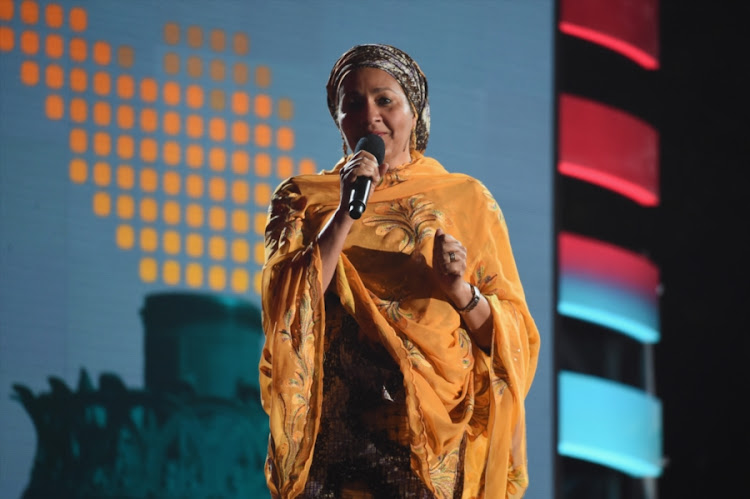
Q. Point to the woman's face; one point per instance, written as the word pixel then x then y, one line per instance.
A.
pixel 372 101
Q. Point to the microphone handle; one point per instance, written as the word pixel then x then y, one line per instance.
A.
pixel 358 197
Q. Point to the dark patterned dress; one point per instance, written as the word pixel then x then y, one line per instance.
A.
pixel 362 447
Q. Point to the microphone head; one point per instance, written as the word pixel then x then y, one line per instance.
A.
pixel 373 144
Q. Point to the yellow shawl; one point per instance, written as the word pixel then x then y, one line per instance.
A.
pixel 383 280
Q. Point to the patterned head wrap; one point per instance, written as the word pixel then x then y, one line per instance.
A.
pixel 396 63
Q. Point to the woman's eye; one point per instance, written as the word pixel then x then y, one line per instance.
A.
pixel 384 101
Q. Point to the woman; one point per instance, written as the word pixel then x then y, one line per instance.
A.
pixel 399 346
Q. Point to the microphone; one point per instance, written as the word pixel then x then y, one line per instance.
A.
pixel 374 145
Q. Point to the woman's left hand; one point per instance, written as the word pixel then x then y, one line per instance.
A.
pixel 449 266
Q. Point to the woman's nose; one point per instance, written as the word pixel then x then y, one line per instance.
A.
pixel 372 113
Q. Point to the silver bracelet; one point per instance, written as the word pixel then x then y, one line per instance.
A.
pixel 472 303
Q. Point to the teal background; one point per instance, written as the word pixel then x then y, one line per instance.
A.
pixel 70 299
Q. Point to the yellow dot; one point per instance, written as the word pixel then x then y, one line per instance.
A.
pixel 194 215
pixel 6 10
pixel 172 33
pixel 102 53
pixel 285 138
pixel 240 103
pixel 260 253
pixel 260 223
pixel 78 140
pixel 240 73
pixel 29 73
pixel 217 130
pixel 171 123
pixel 240 192
pixel 77 18
pixel 194 186
pixel 262 194
pixel 194 156
pixel 171 183
pixel 171 272
pixel 102 113
pixel 217 248
pixel 54 46
pixel 125 56
pixel 29 12
pixel 102 204
pixel 125 87
pixel 147 269
pixel 217 69
pixel 6 39
pixel 284 166
pixel 240 280
pixel 171 63
pixel 125 207
pixel 54 15
pixel 217 159
pixel 262 106
pixel 78 80
pixel 77 170
pixel 149 120
pixel 125 117
pixel 29 42
pixel 54 107
pixel 217 100
pixel 240 251
pixel 194 96
pixel 218 40
pixel 102 83
pixel 149 90
pixel 125 177
pixel 240 162
pixel 194 36
pixel 194 245
pixel 171 212
pixel 240 132
pixel 171 93
pixel 149 180
pixel 285 109
pixel 217 189
pixel 263 76
pixel 125 146
pixel 54 76
pixel 149 150
pixel 262 165
pixel 171 153
pixel 171 242
pixel 78 110
pixel 194 126
pixel 257 281
pixel 148 209
pixel 102 174
pixel 217 277
pixel 77 49
pixel 240 43
pixel 149 240
pixel 194 275
pixel 194 66
pixel 125 237
pixel 240 221
pixel 217 218
pixel 263 135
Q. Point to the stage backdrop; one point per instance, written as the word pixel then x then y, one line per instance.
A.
pixel 140 143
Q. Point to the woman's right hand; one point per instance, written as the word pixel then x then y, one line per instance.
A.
pixel 361 164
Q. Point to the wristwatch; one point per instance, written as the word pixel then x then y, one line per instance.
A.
pixel 472 303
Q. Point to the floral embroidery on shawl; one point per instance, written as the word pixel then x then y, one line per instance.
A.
pixel 412 216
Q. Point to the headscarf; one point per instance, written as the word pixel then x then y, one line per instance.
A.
pixel 396 63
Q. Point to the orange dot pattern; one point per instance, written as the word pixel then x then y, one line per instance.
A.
pixel 184 161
